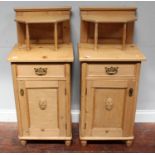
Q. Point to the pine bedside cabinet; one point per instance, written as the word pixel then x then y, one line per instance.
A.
pixel 41 68
pixel 110 69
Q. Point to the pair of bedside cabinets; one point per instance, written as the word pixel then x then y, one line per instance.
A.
pixel 109 64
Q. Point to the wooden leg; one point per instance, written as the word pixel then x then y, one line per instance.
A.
pixel 129 143
pixel 23 142
pixel 83 142
pixel 68 142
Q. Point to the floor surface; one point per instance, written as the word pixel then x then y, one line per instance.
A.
pixel 144 142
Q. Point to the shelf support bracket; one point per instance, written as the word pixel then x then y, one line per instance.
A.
pixel 27 37
pixel 96 36
pixel 124 36
pixel 55 36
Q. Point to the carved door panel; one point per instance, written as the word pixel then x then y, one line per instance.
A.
pixel 42 106
pixel 108 107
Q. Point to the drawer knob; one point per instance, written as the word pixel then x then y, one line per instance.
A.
pixel 111 70
pixel 42 104
pixel 40 71
pixel 22 92
pixel 131 92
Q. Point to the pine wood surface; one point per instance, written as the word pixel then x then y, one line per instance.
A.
pixel 46 25
pixel 109 53
pixel 42 53
pixel 110 70
pixel 107 25
pixel 37 9
pixel 41 74
pixel 108 8
pixel 43 19
pixel 37 97
pixel 107 108
pixel 144 142
pixel 53 70
pixel 124 70
pixel 42 15
pixel 108 18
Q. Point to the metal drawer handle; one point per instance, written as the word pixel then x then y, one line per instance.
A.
pixel 111 70
pixel 40 71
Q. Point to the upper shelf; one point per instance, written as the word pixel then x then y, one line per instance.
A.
pixel 42 19
pixel 43 26
pixel 107 25
pixel 42 15
pixel 108 15
pixel 108 18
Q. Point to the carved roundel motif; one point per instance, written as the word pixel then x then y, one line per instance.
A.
pixel 108 103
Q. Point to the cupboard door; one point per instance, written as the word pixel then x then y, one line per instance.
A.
pixel 109 107
pixel 42 107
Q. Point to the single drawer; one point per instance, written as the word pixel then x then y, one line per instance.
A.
pixel 106 69
pixel 40 70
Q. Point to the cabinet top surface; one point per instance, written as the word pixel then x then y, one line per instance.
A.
pixel 42 54
pixel 110 53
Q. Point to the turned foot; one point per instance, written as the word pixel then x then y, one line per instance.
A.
pixel 23 142
pixel 68 142
pixel 83 142
pixel 129 143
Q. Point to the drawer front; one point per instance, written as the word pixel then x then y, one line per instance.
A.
pixel 41 70
pixel 111 70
